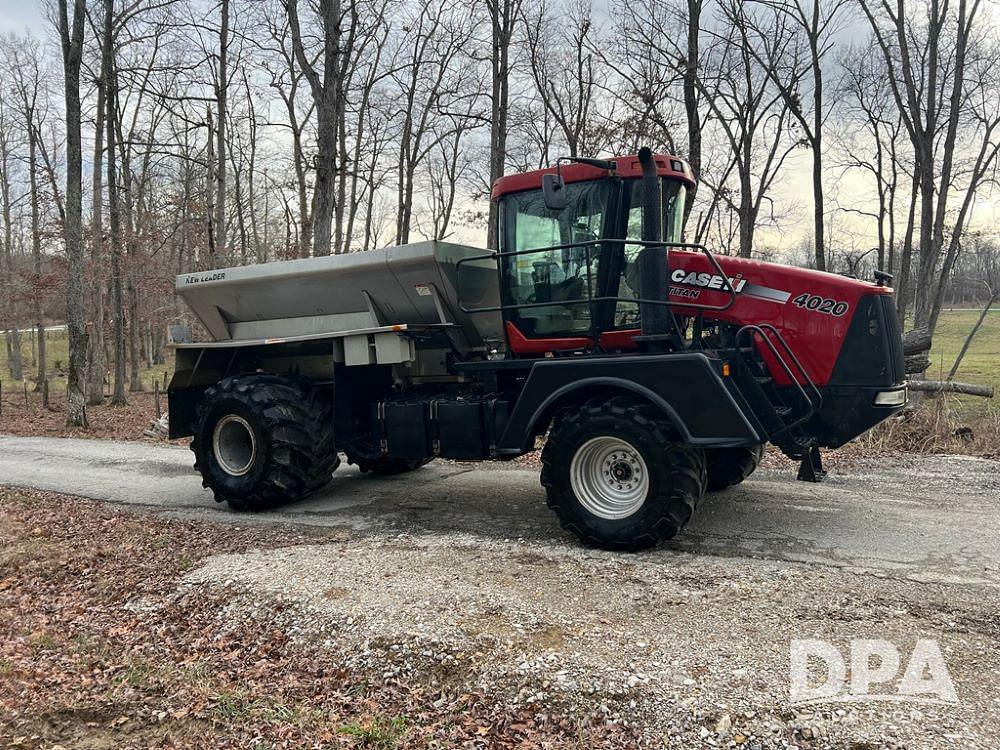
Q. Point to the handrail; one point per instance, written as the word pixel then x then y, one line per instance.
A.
pixel 590 300
pixel 798 364
pixel 811 409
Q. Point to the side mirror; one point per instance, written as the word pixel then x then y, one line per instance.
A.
pixel 554 192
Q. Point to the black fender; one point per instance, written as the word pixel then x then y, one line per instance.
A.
pixel 685 387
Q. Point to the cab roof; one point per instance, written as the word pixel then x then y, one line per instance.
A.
pixel 627 166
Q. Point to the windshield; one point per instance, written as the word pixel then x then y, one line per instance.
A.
pixel 672 196
pixel 595 210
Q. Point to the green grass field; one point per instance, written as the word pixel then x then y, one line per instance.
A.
pixel 980 365
pixel 57 358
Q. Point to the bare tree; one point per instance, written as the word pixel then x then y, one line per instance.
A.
pixel 752 115
pixel 503 15
pixel 110 77
pixel 327 94
pixel 433 87
pixel 942 74
pixel 876 148
pixel 652 60
pixel 8 282
pixel 564 72
pixel 24 64
pixel 285 78
pixel 793 67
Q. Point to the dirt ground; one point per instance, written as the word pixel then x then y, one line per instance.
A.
pixel 446 609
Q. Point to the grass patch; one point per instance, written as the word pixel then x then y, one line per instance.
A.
pixel 382 733
pixel 235 704
pixel 981 363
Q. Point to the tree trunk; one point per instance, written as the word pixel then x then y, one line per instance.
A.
pixel 923 291
pixel 691 102
pixel 341 242
pixel 134 331
pixel 222 88
pixel 818 217
pixel 97 365
pixel 210 192
pixel 36 252
pixel 916 341
pixel 903 285
pixel 324 191
pixel 746 217
pixel 72 45
pixel 7 280
pixel 503 15
pixel 15 361
pixel 950 386
pixel 118 397
pixel 327 96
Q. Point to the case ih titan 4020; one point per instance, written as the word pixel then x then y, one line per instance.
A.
pixel 657 370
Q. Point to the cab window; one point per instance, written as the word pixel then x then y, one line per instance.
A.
pixel 558 276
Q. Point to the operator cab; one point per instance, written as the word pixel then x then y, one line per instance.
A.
pixel 568 256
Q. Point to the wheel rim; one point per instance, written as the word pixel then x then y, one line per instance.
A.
pixel 609 477
pixel 234 445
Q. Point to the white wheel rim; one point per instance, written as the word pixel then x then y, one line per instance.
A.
pixel 234 445
pixel 609 477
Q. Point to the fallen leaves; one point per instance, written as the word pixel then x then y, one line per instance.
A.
pixel 100 648
pixel 106 421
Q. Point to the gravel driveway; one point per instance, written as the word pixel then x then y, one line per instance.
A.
pixel 459 573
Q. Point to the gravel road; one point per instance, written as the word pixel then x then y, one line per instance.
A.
pixel 458 572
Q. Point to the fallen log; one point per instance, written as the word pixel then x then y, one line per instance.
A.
pixel 916 341
pixel 950 386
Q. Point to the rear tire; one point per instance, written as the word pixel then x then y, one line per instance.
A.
pixel 730 466
pixel 263 440
pixel 616 477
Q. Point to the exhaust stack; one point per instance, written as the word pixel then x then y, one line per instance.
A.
pixel 653 272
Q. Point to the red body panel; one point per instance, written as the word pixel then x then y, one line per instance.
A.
pixel 766 293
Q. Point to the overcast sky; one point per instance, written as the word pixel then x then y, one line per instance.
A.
pixel 21 15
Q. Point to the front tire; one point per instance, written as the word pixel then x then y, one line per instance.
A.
pixel 262 440
pixel 616 477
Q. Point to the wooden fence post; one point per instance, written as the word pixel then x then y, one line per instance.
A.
pixel 156 397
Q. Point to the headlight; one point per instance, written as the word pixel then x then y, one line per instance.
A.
pixel 891 398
